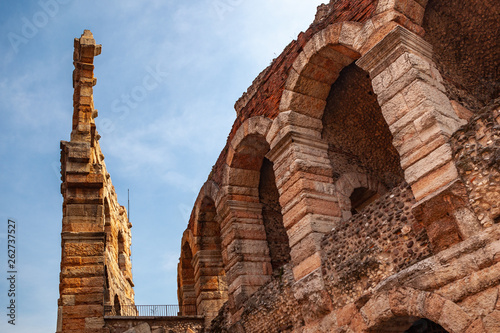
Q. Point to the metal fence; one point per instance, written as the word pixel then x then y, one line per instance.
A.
pixel 150 311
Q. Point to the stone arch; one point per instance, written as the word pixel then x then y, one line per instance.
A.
pixel 117 306
pixel 209 268
pixel 317 67
pixel 348 183
pixel 186 292
pixel 249 224
pixel 398 309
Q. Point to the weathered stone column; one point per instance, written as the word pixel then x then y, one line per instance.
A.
pixel 210 284
pixel 245 251
pixel 420 116
pixel 310 209
pixel 81 301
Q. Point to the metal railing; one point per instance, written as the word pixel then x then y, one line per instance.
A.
pixel 150 311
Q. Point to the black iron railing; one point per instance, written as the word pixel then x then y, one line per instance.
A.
pixel 150 310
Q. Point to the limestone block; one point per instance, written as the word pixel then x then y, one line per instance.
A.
pixel 302 103
pixel 480 305
pixel 338 54
pixel 307 266
pixel 385 5
pixel 453 318
pixel 476 327
pixel 346 314
pixel 94 322
pixel 437 158
pixel 307 86
pixel 492 322
pixel 309 224
pixel 314 44
pixel 306 247
pixel 376 310
pixel 433 306
pixel 308 203
pixel 366 31
pixel 293 118
pixel 434 181
pixel 348 33
pixel 242 177
pixel 415 150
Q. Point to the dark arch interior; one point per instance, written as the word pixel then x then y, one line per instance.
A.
pixel 121 251
pixel 362 197
pixel 425 326
pixel 116 306
pixel 187 294
pixel 359 139
pixel 277 238
pixel 208 228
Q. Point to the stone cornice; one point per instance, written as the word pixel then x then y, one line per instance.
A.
pixel 391 47
pixel 283 143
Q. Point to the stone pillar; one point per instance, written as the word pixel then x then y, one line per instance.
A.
pixel 210 285
pixel 310 209
pixel 245 251
pixel 81 301
pixel 420 116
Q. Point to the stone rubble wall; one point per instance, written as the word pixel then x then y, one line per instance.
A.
pixel 476 149
pixel 273 308
pixel 379 241
pixel 155 325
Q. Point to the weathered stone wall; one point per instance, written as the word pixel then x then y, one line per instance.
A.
pixel 155 325
pixel 358 137
pixel 476 149
pixel 465 38
pixel 264 95
pixel 349 114
pixel 379 241
pixel 273 308
pixel 95 263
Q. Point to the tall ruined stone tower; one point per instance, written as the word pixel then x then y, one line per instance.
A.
pixel 96 276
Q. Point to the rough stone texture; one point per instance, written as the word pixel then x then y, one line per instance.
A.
pixel 341 202
pixel 273 308
pixel 95 265
pixel 264 95
pixel 382 239
pixel 350 151
pixel 466 43
pixel 476 150
pixel 155 325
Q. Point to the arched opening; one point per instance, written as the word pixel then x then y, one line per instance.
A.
pixel 186 289
pixel 408 325
pixel 251 156
pixel 122 255
pixel 425 326
pixel 117 308
pixel 362 197
pixel 359 139
pixel 277 238
pixel 210 275
pixel 107 287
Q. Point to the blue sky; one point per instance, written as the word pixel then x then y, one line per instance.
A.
pixel 160 139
